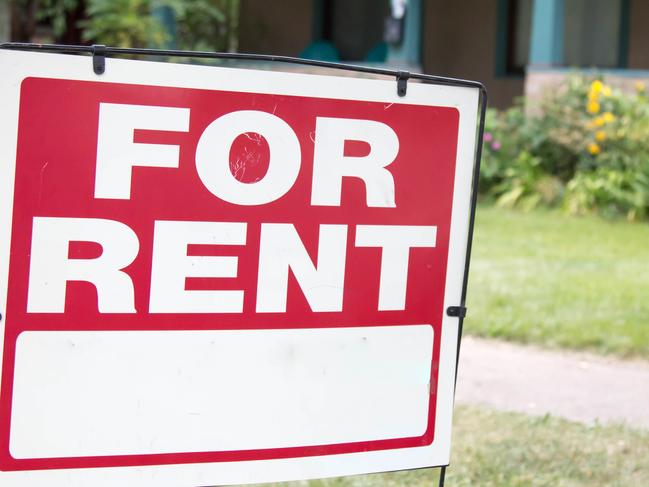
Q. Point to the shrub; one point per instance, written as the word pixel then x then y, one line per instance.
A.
pixel 610 191
pixel 583 146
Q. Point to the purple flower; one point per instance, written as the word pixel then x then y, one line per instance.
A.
pixel 488 137
pixel 496 145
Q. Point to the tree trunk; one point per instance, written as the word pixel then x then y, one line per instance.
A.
pixel 72 34
pixel 23 20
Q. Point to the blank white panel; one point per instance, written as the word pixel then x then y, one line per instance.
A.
pixel 87 393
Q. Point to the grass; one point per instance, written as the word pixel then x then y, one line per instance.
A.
pixel 547 278
pixel 495 449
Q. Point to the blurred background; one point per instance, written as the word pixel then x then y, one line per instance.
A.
pixel 554 372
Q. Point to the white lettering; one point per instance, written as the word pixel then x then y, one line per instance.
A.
pixel 213 157
pixel 282 249
pixel 396 242
pixel 330 164
pixel 117 153
pixel 171 265
pixel 51 268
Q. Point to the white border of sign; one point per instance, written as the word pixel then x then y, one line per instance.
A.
pixel 16 66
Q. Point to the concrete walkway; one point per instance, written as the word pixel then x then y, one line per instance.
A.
pixel 573 385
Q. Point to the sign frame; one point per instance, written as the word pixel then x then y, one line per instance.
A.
pixel 149 475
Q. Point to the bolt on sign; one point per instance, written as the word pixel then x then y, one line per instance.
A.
pixel 217 276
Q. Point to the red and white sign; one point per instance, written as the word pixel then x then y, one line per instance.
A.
pixel 214 276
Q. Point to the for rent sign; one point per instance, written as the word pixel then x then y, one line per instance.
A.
pixel 217 276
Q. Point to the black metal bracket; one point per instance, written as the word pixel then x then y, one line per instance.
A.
pixel 402 82
pixel 98 58
pixel 456 311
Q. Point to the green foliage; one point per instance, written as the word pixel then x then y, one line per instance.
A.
pixel 55 11
pixel 510 172
pixel 526 184
pixel 203 25
pixel 199 24
pixel 610 191
pixel 123 23
pixel 582 146
pixel 494 161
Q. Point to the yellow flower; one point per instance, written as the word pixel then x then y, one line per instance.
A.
pixel 594 149
pixel 608 117
pixel 599 121
pixel 592 107
pixel 596 86
pixel 593 97
pixel 606 91
pixel 639 86
pixel 600 136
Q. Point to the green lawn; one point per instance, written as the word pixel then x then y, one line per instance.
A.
pixel 560 281
pixel 494 449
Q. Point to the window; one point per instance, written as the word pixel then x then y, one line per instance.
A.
pixel 514 29
pixel 592 33
pixel 354 28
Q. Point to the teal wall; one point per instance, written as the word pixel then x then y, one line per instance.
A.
pixel 546 44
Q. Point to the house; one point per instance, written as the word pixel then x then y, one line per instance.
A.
pixel 515 47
